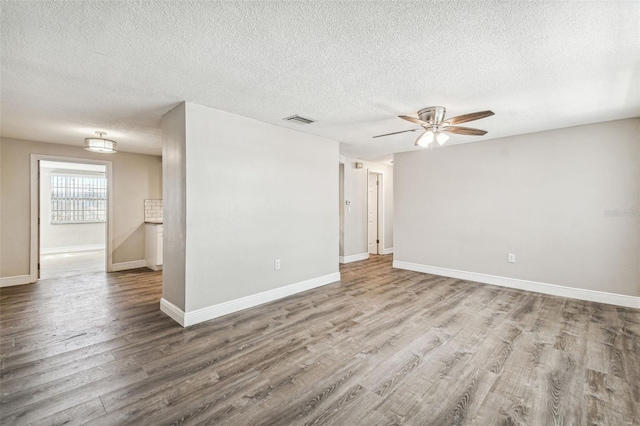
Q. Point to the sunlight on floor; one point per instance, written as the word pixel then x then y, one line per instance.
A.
pixel 69 264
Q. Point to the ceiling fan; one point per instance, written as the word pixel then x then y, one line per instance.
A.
pixel 436 127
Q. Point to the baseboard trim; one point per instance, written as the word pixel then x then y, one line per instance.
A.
pixel 152 266
pixel 172 311
pixel 388 250
pixel 16 280
pixel 353 258
pixel 71 249
pixel 538 287
pixel 134 264
pixel 210 312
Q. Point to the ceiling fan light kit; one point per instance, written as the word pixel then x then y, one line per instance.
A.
pixel 424 139
pixel 442 138
pixel 435 127
pixel 428 137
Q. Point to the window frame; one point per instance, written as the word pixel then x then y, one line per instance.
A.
pixel 78 198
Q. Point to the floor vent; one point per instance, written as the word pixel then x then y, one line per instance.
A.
pixel 296 118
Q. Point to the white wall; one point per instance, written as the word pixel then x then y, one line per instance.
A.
pixel 542 196
pixel 254 193
pixel 135 178
pixel 354 239
pixel 60 236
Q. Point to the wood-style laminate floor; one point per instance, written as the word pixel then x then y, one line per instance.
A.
pixel 381 347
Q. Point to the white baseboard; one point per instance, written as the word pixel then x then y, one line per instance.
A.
pixel 71 249
pixel 135 264
pixel 225 308
pixel 172 311
pixel 388 250
pixel 353 258
pixel 552 289
pixel 17 280
pixel 149 264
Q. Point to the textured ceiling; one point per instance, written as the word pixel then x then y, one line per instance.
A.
pixel 70 68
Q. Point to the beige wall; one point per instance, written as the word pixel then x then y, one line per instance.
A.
pixel 135 178
pixel 354 238
pixel 541 196
pixel 254 193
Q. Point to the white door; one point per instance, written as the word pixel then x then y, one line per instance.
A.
pixel 372 213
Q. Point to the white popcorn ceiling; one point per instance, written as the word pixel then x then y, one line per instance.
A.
pixel 71 68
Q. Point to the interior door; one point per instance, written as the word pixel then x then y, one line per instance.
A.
pixel 372 213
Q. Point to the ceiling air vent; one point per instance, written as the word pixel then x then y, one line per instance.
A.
pixel 297 119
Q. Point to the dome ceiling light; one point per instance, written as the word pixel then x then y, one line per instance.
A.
pixel 100 144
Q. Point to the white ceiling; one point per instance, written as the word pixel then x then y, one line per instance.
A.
pixel 71 68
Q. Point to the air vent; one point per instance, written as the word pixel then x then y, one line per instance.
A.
pixel 297 119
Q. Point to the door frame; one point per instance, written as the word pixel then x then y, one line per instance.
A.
pixel 35 209
pixel 381 228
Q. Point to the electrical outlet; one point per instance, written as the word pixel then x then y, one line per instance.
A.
pixel 276 264
pixel 511 258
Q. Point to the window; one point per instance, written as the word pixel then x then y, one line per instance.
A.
pixel 78 199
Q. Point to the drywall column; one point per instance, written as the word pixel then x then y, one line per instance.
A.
pixel 174 170
pixel 241 195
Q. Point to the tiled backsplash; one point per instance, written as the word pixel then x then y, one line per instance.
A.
pixel 153 210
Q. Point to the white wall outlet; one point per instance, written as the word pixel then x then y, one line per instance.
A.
pixel 276 264
pixel 511 258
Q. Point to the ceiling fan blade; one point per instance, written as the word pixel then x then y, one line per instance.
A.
pixel 469 117
pixel 412 119
pixel 464 130
pixel 395 133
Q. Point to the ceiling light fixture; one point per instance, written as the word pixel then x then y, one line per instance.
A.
pixel 435 127
pixel 442 138
pixel 100 144
pixel 427 138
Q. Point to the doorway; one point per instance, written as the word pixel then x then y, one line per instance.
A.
pixel 70 216
pixel 375 212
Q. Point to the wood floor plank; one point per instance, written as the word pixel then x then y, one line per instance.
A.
pixel 612 390
pixel 80 414
pixel 312 402
pixel 72 397
pixel 13 401
pixel 179 406
pixel 38 379
pixel 603 413
pixel 381 347
pixel 560 388
pixel 45 363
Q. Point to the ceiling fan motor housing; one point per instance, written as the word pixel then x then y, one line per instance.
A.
pixel 432 115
